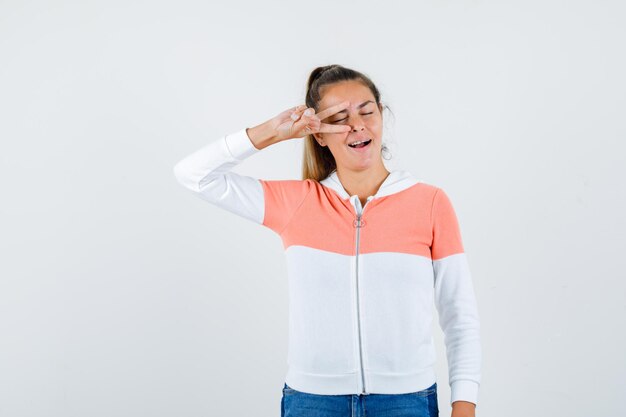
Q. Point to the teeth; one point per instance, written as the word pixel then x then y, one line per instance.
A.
pixel 356 143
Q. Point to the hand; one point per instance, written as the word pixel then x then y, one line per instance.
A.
pixel 463 409
pixel 300 121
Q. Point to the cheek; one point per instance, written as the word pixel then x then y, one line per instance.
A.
pixel 375 125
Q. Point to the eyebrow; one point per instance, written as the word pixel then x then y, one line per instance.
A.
pixel 358 107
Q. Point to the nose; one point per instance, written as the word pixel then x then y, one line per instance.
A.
pixel 356 122
pixel 357 127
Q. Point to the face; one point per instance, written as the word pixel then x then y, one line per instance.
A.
pixel 362 115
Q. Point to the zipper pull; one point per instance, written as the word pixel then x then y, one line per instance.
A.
pixel 358 222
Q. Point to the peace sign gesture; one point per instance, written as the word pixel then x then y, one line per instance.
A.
pixel 299 121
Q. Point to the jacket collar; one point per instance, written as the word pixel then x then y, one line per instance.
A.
pixel 396 181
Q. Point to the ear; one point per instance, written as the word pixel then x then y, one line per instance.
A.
pixel 380 107
pixel 319 138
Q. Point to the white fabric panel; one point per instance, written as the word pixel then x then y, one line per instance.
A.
pixel 207 172
pixel 458 317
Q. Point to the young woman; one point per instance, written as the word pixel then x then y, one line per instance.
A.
pixel 368 250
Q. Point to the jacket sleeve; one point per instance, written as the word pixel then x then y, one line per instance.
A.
pixel 455 302
pixel 207 173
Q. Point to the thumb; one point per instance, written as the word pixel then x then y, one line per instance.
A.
pixel 295 112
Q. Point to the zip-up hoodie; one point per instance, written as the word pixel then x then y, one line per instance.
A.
pixel 361 280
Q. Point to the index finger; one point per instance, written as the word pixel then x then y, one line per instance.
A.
pixel 328 128
pixel 332 110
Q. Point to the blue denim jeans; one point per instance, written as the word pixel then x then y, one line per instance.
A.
pixel 413 404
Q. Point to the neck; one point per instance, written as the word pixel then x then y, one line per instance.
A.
pixel 363 183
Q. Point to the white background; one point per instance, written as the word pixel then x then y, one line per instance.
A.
pixel 121 294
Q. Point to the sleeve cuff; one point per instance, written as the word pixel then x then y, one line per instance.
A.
pixel 464 390
pixel 239 144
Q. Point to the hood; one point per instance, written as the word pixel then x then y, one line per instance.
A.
pixel 396 181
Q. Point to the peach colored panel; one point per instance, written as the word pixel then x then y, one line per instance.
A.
pixel 446 232
pixel 396 223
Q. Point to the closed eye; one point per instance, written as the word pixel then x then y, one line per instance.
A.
pixel 341 120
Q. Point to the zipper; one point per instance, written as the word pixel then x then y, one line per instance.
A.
pixel 359 223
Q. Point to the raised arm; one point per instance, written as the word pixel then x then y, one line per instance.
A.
pixel 455 302
pixel 207 171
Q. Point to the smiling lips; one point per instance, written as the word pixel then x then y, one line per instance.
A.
pixel 361 143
